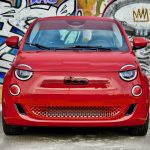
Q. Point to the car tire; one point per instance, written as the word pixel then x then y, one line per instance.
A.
pixel 139 130
pixel 11 130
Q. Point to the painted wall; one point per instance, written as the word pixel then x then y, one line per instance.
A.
pixel 16 16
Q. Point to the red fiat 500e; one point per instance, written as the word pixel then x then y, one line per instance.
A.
pixel 75 72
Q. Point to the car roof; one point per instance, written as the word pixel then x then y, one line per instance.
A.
pixel 76 18
pixel 62 22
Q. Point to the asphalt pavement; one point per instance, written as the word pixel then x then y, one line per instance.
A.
pixel 73 139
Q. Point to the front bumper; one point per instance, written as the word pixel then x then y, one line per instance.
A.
pixel 123 122
pixel 137 117
pixel 52 95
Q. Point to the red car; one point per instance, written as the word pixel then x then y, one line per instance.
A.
pixel 75 72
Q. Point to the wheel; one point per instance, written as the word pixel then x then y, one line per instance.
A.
pixel 139 130
pixel 11 130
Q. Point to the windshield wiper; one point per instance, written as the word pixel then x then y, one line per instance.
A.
pixel 45 47
pixel 39 46
pixel 76 47
pixel 97 48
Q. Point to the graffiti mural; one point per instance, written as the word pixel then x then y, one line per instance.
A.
pixel 16 16
pixel 135 17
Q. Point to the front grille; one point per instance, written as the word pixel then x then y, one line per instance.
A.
pixel 76 112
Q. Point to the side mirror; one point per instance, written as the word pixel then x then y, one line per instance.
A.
pixel 139 42
pixel 12 41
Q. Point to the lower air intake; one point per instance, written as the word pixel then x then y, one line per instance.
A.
pixel 104 112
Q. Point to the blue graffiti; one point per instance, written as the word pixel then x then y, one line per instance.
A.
pixel 14 51
pixel 17 31
pixel 1 77
pixel 18 3
pixel 1 25
pixel 44 1
pixel 2 40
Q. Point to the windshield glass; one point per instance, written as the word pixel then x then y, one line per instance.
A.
pixel 75 35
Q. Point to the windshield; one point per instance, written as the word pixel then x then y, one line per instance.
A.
pixel 75 35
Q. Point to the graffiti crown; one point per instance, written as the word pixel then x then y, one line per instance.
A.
pixel 141 15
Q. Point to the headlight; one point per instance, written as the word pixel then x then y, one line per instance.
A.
pixel 23 74
pixel 128 75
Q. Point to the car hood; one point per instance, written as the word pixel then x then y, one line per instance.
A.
pixel 75 61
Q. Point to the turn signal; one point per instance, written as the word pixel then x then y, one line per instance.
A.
pixel 14 90
pixel 137 90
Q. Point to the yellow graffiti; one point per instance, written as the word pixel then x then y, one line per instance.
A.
pixel 91 7
pixel 87 6
pixel 141 15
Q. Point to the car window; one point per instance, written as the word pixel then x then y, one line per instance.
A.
pixel 117 36
pixel 34 32
pixel 85 35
